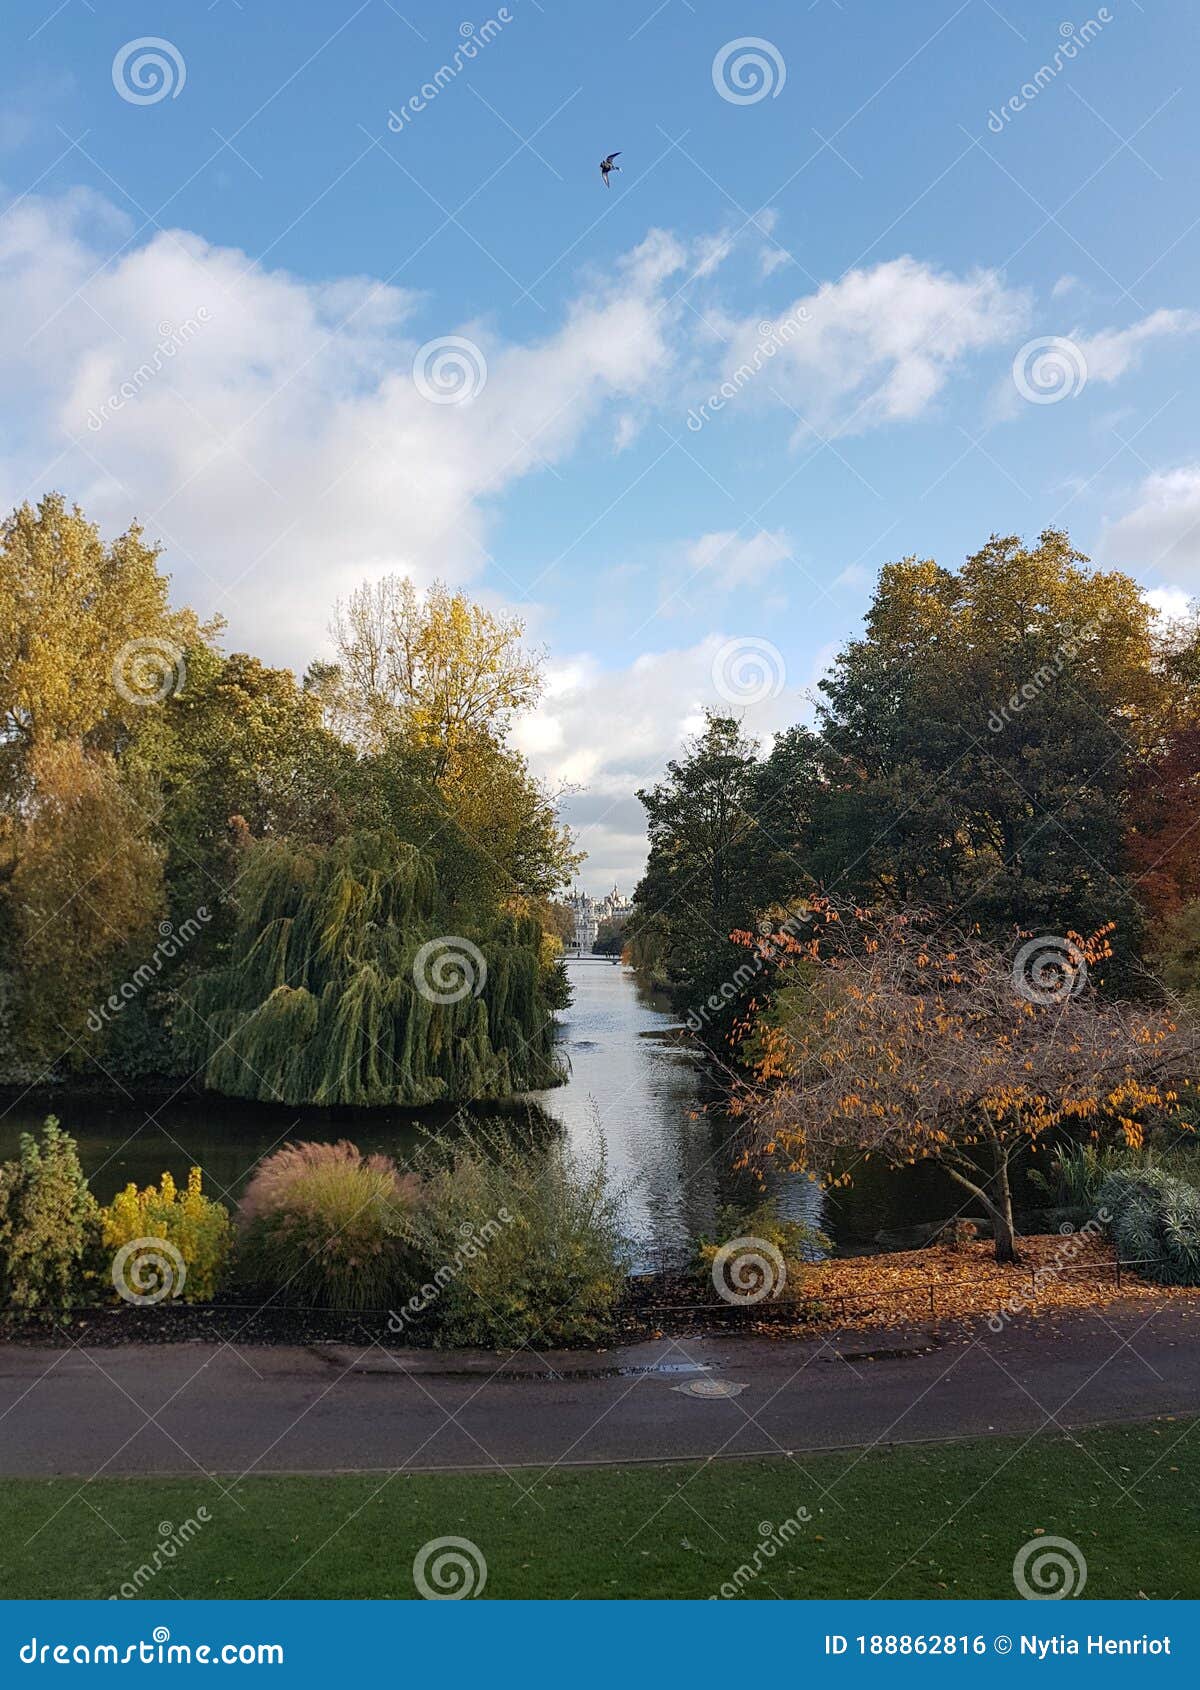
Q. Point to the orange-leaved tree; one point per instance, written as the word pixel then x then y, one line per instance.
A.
pixel 886 1035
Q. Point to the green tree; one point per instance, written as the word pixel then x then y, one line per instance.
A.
pixel 427 686
pixel 348 984
pixel 49 1223
pixel 702 875
pixel 240 753
pixel 977 741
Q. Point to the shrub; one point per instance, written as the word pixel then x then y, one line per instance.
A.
pixel 751 1275
pixel 48 1222
pixel 323 1224
pixel 1079 1170
pixel 520 1243
pixel 1154 1220
pixel 194 1225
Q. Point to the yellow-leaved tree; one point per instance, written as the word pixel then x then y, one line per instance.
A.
pixel 436 668
pixel 85 891
pixel 86 634
pixel 437 680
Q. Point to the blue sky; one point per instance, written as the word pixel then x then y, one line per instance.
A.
pixel 937 310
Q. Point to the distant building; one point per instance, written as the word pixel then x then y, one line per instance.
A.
pixel 589 912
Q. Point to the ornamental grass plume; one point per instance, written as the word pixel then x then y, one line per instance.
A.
pixel 325 1225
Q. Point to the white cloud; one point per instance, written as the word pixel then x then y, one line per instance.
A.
pixel 30 108
pixel 1080 358
pixel 1113 351
pixel 607 732
pixel 1171 603
pixel 626 432
pixel 283 451
pixel 726 560
pixel 772 258
pixel 1162 531
pixel 880 344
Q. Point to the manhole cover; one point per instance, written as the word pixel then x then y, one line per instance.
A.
pixel 711 1388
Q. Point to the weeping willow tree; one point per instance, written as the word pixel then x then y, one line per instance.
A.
pixel 348 984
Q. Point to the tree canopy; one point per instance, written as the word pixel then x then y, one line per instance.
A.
pixel 168 813
pixel 345 985
pixel 890 1036
pixel 1012 744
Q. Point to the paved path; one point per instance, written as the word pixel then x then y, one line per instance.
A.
pixel 188 1407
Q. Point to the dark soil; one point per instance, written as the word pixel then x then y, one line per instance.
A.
pixel 653 1306
pixel 243 1321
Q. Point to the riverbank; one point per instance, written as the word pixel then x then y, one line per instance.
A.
pixel 930 1289
pixel 636 1081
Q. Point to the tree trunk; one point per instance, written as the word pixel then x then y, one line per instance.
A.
pixel 1006 1249
pixel 999 1210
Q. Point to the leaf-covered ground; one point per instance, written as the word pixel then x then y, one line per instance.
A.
pixel 1056 1271
pixel 902 1288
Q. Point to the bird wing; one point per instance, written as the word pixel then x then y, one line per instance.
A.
pixel 611 156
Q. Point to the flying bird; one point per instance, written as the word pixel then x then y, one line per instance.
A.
pixel 606 166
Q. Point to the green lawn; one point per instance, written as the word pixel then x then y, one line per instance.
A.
pixel 943 1520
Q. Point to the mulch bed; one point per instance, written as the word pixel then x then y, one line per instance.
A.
pixel 241 1320
pixel 935 1286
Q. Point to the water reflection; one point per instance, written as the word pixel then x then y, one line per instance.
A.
pixel 631 1074
pixel 636 1078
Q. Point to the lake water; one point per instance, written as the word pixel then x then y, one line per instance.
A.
pixel 633 1078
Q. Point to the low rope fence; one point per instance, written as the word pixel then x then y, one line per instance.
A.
pixel 921 1290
